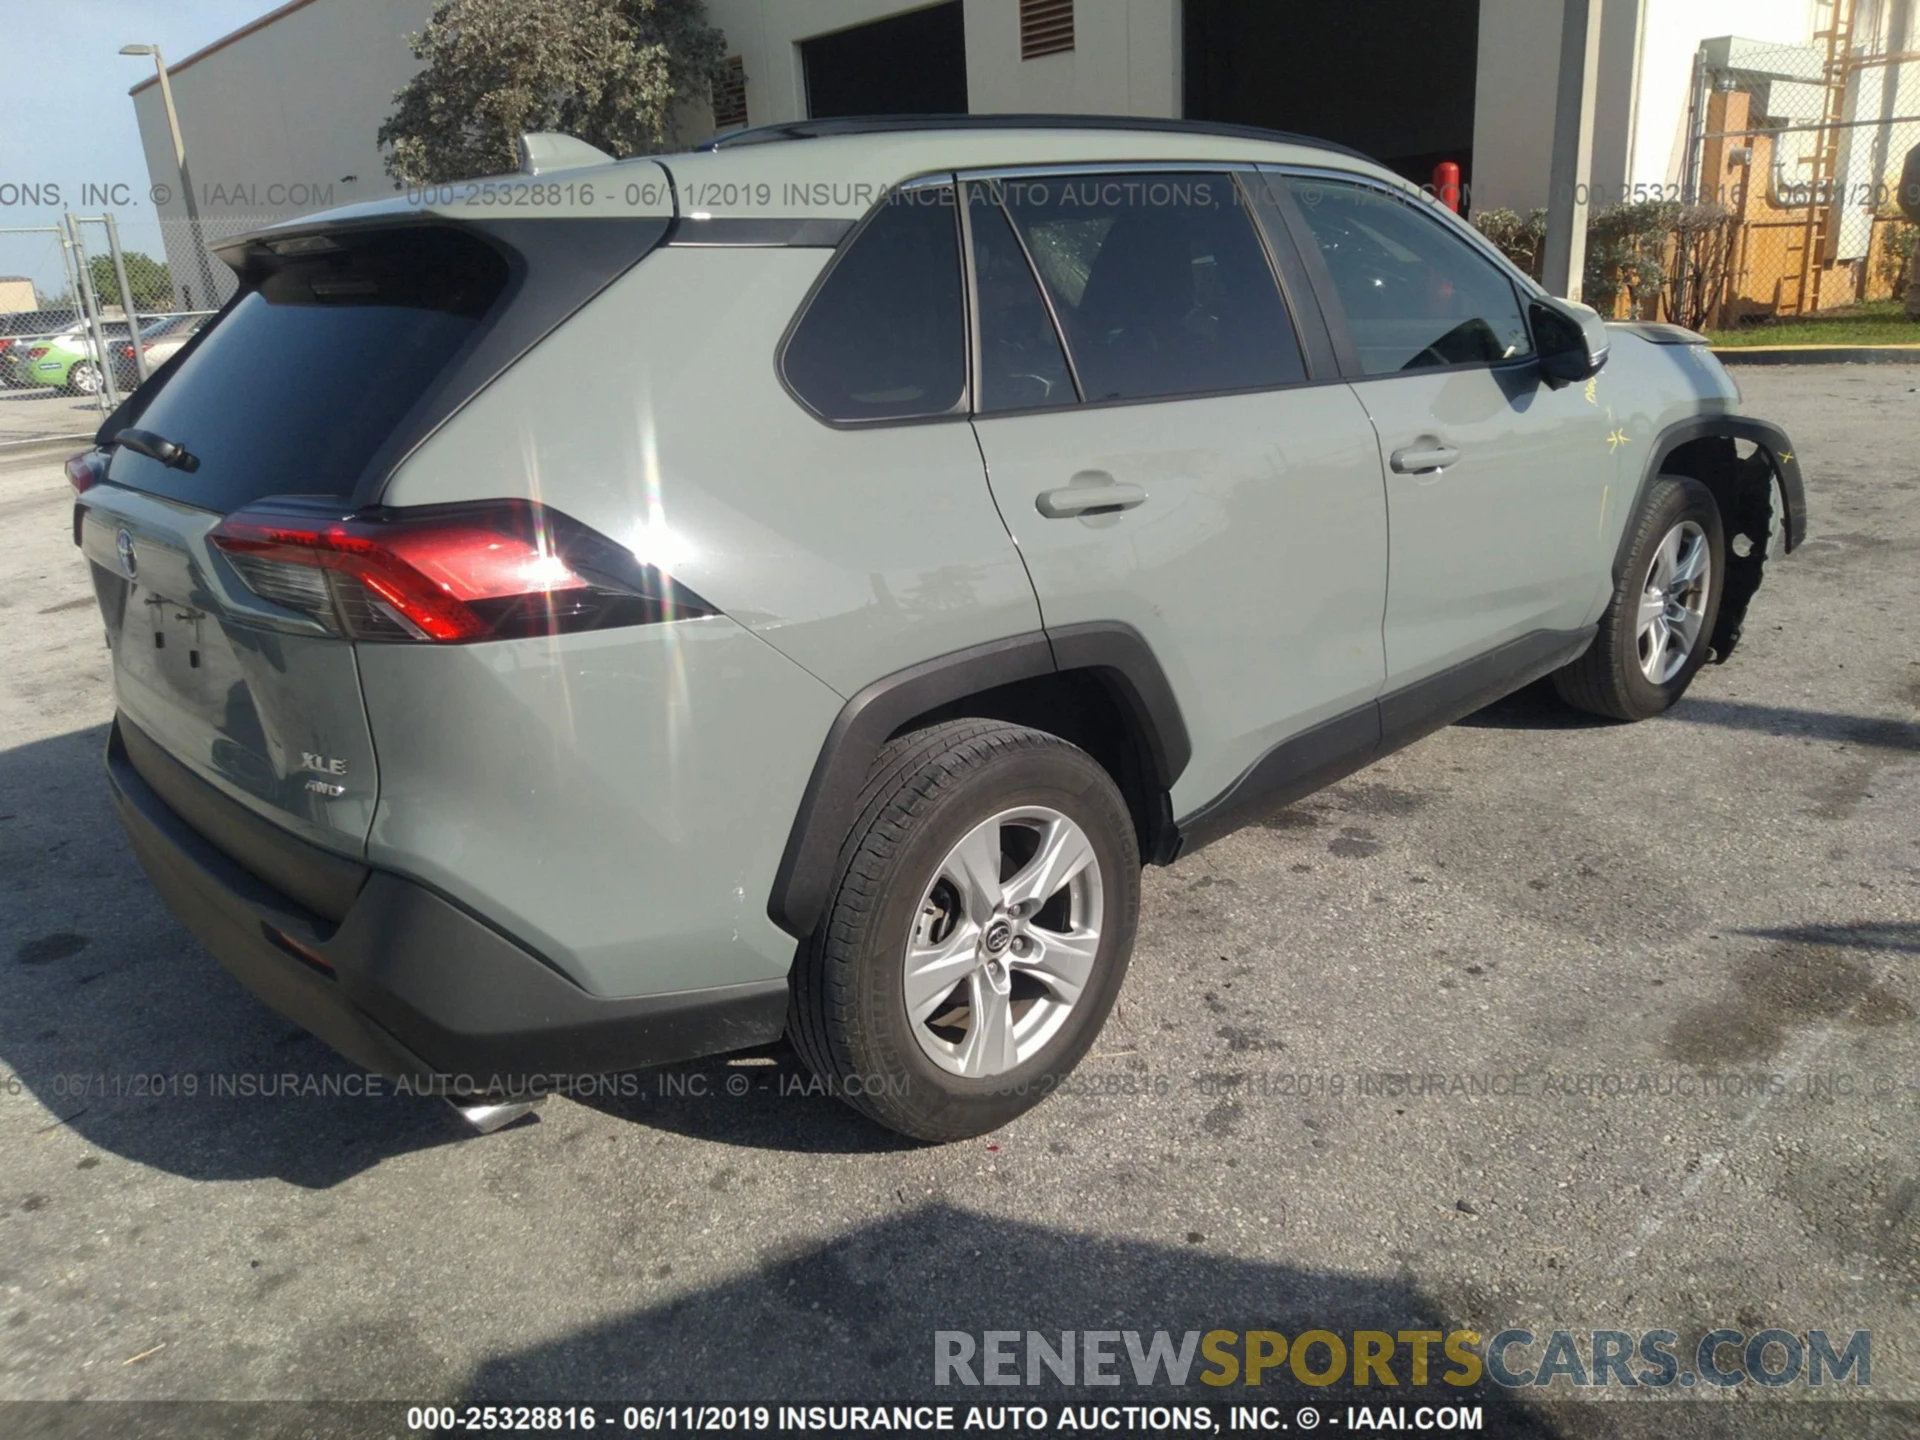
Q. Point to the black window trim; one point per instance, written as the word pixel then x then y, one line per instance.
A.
pixel 990 187
pixel 1333 310
pixel 1326 362
pixel 1300 309
pixel 962 409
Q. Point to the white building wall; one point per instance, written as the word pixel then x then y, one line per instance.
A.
pixel 296 100
pixel 1672 33
pixel 279 121
pixel 1515 79
pixel 1125 60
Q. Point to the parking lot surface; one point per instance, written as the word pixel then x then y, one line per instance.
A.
pixel 1544 1023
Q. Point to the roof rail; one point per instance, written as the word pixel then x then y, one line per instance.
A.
pixel 890 124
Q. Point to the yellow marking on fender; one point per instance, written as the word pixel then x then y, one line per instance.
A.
pixel 1616 438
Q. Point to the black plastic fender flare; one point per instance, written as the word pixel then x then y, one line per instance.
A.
pixel 1773 443
pixel 1744 490
pixel 865 723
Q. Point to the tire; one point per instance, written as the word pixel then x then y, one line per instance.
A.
pixel 84 378
pixel 1631 672
pixel 934 800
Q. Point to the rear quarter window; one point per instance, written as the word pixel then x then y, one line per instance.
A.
pixel 296 386
pixel 884 337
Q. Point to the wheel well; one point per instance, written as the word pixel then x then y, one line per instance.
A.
pixel 1742 487
pixel 1084 708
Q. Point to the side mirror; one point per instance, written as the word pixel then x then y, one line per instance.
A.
pixel 1571 340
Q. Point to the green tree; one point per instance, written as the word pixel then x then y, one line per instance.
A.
pixel 149 280
pixel 605 71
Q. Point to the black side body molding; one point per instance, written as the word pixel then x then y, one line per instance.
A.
pixel 1117 653
pixel 1336 748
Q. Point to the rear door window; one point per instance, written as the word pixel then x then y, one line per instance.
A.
pixel 884 337
pixel 301 381
pixel 1159 281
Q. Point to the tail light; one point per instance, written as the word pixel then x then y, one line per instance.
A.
pixel 126 352
pixel 86 470
pixel 36 352
pixel 495 570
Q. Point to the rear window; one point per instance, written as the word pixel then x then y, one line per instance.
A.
pixel 294 389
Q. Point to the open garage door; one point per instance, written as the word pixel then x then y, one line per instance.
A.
pixel 911 64
pixel 1392 79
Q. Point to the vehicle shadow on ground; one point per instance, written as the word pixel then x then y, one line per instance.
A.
pixel 128 1032
pixel 1533 707
pixel 1538 707
pixel 131 1035
pixel 853 1320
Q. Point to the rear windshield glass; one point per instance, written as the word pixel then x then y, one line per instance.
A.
pixel 294 389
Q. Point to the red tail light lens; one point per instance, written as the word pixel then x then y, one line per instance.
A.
pixel 496 570
pixel 86 470
pixel 36 352
pixel 126 352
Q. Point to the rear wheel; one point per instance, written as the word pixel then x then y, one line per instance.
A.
pixel 84 378
pixel 979 931
pixel 1654 635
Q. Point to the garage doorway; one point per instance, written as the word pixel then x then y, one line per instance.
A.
pixel 1391 79
pixel 912 64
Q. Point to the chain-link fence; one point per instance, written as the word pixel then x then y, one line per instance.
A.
pixel 85 320
pixel 1803 147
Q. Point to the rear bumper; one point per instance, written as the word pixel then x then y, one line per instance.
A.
pixel 407 983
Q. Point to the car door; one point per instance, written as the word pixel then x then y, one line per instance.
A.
pixel 1176 464
pixel 1496 480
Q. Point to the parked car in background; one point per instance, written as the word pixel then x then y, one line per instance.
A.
pixel 160 340
pixel 21 327
pixel 70 361
pixel 910 566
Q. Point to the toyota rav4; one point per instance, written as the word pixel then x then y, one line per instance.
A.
pixel 629 611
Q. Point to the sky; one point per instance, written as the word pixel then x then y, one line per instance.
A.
pixel 70 50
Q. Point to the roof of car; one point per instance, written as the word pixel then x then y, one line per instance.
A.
pixel 837 170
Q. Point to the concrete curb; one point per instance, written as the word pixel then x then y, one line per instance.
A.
pixel 1818 354
pixel 32 452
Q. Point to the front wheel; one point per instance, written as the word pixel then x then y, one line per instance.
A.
pixel 1653 637
pixel 982 920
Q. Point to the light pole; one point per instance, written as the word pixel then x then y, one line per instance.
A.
pixel 197 239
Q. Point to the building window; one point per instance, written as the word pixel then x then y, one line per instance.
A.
pixel 730 96
pixel 1046 27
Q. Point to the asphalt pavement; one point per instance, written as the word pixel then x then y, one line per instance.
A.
pixel 1543 1023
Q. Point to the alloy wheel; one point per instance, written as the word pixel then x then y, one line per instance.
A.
pixel 1673 601
pixel 1004 942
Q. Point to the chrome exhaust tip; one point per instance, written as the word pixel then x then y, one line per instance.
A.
pixel 487 1116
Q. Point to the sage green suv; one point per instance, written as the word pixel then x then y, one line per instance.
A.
pixel 954 516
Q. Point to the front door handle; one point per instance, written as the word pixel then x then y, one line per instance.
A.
pixel 1084 498
pixel 1424 458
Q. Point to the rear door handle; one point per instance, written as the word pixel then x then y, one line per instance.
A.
pixel 1424 459
pixel 1083 498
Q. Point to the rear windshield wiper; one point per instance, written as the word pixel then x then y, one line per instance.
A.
pixel 170 453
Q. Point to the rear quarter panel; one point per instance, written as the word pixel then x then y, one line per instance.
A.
pixel 621 799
